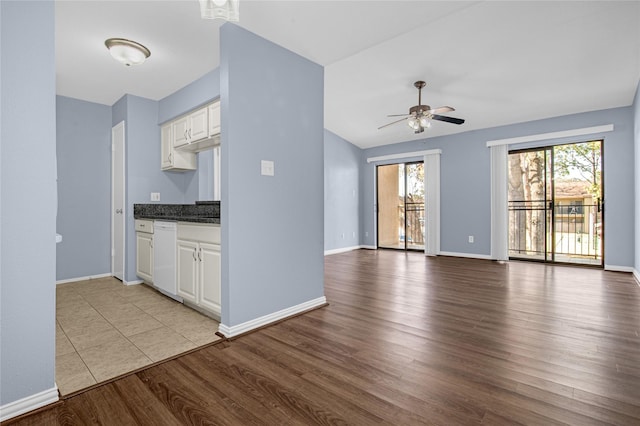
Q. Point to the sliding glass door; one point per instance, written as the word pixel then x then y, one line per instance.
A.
pixel 555 204
pixel 400 201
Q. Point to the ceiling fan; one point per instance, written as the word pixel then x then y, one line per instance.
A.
pixel 420 116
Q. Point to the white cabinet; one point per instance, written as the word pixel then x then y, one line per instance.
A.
pixel 191 128
pixel 187 270
pixel 214 119
pixel 173 159
pixel 198 266
pixel 209 275
pixel 144 250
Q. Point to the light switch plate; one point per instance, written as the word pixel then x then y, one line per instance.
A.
pixel 155 196
pixel 267 168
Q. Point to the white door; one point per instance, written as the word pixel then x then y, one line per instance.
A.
pixel 117 201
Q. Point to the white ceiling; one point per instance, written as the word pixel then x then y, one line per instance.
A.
pixel 496 62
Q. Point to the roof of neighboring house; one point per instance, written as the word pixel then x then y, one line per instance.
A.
pixel 571 189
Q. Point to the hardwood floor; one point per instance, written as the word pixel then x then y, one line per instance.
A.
pixel 407 340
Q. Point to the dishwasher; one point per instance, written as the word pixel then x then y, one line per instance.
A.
pixel 164 258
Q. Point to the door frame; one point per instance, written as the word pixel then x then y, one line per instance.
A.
pixel 377 210
pixel 118 127
pixel 550 200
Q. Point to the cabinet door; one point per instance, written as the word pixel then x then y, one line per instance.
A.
pixel 166 147
pixel 187 270
pixel 199 128
pixel 144 256
pixel 180 132
pixel 209 277
pixel 214 119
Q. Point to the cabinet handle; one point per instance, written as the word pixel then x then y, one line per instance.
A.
pixel 151 243
pixel 194 254
pixel 185 134
pixel 171 157
pixel 200 255
pixel 189 133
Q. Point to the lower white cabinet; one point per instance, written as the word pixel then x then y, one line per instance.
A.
pixel 198 265
pixel 144 250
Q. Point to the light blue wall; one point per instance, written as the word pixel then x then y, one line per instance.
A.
pixel 341 192
pixel 272 233
pixel 199 92
pixel 465 181
pixel 636 125
pixel 83 146
pixel 27 199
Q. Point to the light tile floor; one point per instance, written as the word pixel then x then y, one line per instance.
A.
pixel 105 329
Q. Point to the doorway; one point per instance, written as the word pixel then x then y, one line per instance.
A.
pixel 555 204
pixel 118 201
pixel 401 206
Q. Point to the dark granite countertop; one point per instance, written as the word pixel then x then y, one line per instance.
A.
pixel 201 212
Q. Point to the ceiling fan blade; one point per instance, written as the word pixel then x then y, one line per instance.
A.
pixel 447 119
pixel 398 115
pixel 441 109
pixel 393 122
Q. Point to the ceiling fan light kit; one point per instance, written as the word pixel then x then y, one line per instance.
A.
pixel 127 52
pixel 229 10
pixel 420 116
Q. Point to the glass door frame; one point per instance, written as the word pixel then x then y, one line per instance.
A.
pixel 549 255
pixel 405 241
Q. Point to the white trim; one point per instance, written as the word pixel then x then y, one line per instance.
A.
pixel 268 319
pixel 616 268
pixel 552 135
pixel 431 186
pixel 114 129
pixel 29 403
pixel 89 277
pixel 468 255
pixel 404 155
pixel 636 275
pixel 499 203
pixel 340 250
pixel 364 246
pixel 135 282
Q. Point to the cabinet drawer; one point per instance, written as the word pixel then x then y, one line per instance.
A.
pixel 198 232
pixel 144 225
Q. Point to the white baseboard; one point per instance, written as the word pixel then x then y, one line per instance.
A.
pixel 268 319
pixel 469 255
pixel 90 277
pixel 135 282
pixel 615 268
pixel 340 250
pixel 29 403
pixel 369 247
pixel 636 275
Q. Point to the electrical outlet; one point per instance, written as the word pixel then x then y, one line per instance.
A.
pixel 343 235
pixel 155 196
pixel 471 239
pixel 354 234
pixel 366 234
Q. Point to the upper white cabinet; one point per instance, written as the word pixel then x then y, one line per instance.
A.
pixel 214 119
pixel 198 130
pixel 172 159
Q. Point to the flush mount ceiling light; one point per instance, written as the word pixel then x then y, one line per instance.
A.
pixel 126 51
pixel 228 10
